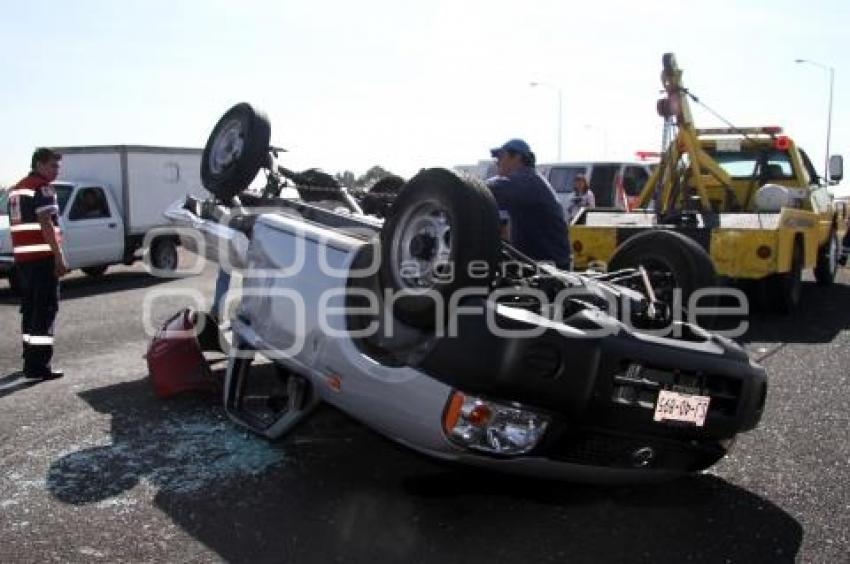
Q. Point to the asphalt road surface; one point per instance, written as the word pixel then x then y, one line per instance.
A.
pixel 94 467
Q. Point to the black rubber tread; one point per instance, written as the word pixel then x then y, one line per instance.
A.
pixel 474 221
pixel 782 293
pixel 255 154
pixel 688 261
pixel 823 274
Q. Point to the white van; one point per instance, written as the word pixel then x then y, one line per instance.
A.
pixel 604 177
pixel 613 183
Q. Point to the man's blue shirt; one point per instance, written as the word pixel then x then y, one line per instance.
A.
pixel 538 227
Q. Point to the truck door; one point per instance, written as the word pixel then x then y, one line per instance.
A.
pixel 93 232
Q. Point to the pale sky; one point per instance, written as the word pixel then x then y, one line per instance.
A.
pixel 407 85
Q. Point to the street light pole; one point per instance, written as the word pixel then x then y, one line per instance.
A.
pixel 560 112
pixel 831 71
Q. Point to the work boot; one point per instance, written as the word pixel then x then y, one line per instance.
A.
pixel 42 375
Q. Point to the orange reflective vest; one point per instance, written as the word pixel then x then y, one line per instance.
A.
pixel 30 198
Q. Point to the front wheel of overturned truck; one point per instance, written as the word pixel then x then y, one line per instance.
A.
pixel 442 236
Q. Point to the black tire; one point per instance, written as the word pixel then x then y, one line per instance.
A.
pixel 829 256
pixel 380 198
pixel 95 271
pixel 164 254
pixel 465 211
pixel 672 260
pixel 781 293
pixel 236 150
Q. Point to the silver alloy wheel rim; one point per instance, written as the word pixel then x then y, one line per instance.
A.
pixel 227 146
pixel 430 220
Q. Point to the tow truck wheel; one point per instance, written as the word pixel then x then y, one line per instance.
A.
pixel 440 225
pixel 235 151
pixel 828 257
pixel 672 261
pixel 782 292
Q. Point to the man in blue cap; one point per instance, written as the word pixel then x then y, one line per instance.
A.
pixel 535 221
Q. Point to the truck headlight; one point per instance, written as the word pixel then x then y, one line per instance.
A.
pixel 497 428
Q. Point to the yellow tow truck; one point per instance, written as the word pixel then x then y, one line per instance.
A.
pixel 725 205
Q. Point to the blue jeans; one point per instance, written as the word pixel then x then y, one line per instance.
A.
pixel 222 285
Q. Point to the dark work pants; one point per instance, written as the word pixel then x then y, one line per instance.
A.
pixel 39 305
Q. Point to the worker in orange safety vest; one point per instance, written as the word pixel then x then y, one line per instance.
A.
pixel 39 262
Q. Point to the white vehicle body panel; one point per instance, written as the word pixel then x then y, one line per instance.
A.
pixel 6 260
pixel 318 341
pixel 5 235
pixel 92 241
pixel 209 239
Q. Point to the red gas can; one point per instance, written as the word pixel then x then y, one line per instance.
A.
pixel 175 360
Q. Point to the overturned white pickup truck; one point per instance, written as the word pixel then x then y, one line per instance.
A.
pixel 430 330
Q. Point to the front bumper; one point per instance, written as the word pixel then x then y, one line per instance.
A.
pixel 601 392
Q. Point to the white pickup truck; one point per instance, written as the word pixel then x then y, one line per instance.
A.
pixel 110 198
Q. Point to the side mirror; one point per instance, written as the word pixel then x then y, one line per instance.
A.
pixel 836 168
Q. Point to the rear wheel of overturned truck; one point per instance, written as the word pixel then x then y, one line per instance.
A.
pixel 236 150
pixel 443 235
pixel 674 264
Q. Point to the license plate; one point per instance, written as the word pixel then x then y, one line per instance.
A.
pixel 687 408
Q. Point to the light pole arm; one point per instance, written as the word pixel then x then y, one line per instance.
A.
pixel 560 93
pixel 560 126
pixel 829 123
pixel 831 71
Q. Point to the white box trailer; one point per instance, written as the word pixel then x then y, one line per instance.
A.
pixel 143 180
pixel 112 196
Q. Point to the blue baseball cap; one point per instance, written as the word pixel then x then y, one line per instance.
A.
pixel 514 146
